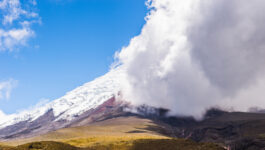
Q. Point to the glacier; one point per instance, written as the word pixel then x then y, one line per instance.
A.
pixel 74 103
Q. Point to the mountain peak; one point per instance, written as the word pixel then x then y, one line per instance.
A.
pixel 74 103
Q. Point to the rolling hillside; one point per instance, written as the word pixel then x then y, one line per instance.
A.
pixel 117 133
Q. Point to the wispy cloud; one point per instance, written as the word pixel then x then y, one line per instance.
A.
pixel 2 114
pixel 6 88
pixel 16 20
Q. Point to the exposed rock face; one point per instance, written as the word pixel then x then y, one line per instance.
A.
pixel 74 103
pixel 236 130
pixel 48 122
pixel 79 106
pixel 40 125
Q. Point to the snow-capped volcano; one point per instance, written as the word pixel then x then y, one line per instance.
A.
pixel 72 105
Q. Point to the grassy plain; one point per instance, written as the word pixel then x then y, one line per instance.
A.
pixel 123 133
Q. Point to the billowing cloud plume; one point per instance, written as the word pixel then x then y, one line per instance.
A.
pixel 6 87
pixel 195 54
pixel 16 20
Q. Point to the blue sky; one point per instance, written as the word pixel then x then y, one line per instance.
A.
pixel 73 42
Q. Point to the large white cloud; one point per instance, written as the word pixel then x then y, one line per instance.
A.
pixel 195 54
pixel 16 20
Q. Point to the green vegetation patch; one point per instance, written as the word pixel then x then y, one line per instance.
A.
pixel 45 145
pixel 142 144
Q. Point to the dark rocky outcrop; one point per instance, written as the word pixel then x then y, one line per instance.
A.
pixel 234 130
pixel 48 122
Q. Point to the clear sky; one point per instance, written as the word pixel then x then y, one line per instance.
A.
pixel 70 43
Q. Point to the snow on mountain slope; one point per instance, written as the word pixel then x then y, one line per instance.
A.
pixel 74 103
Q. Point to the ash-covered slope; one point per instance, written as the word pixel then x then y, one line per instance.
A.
pixel 75 105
